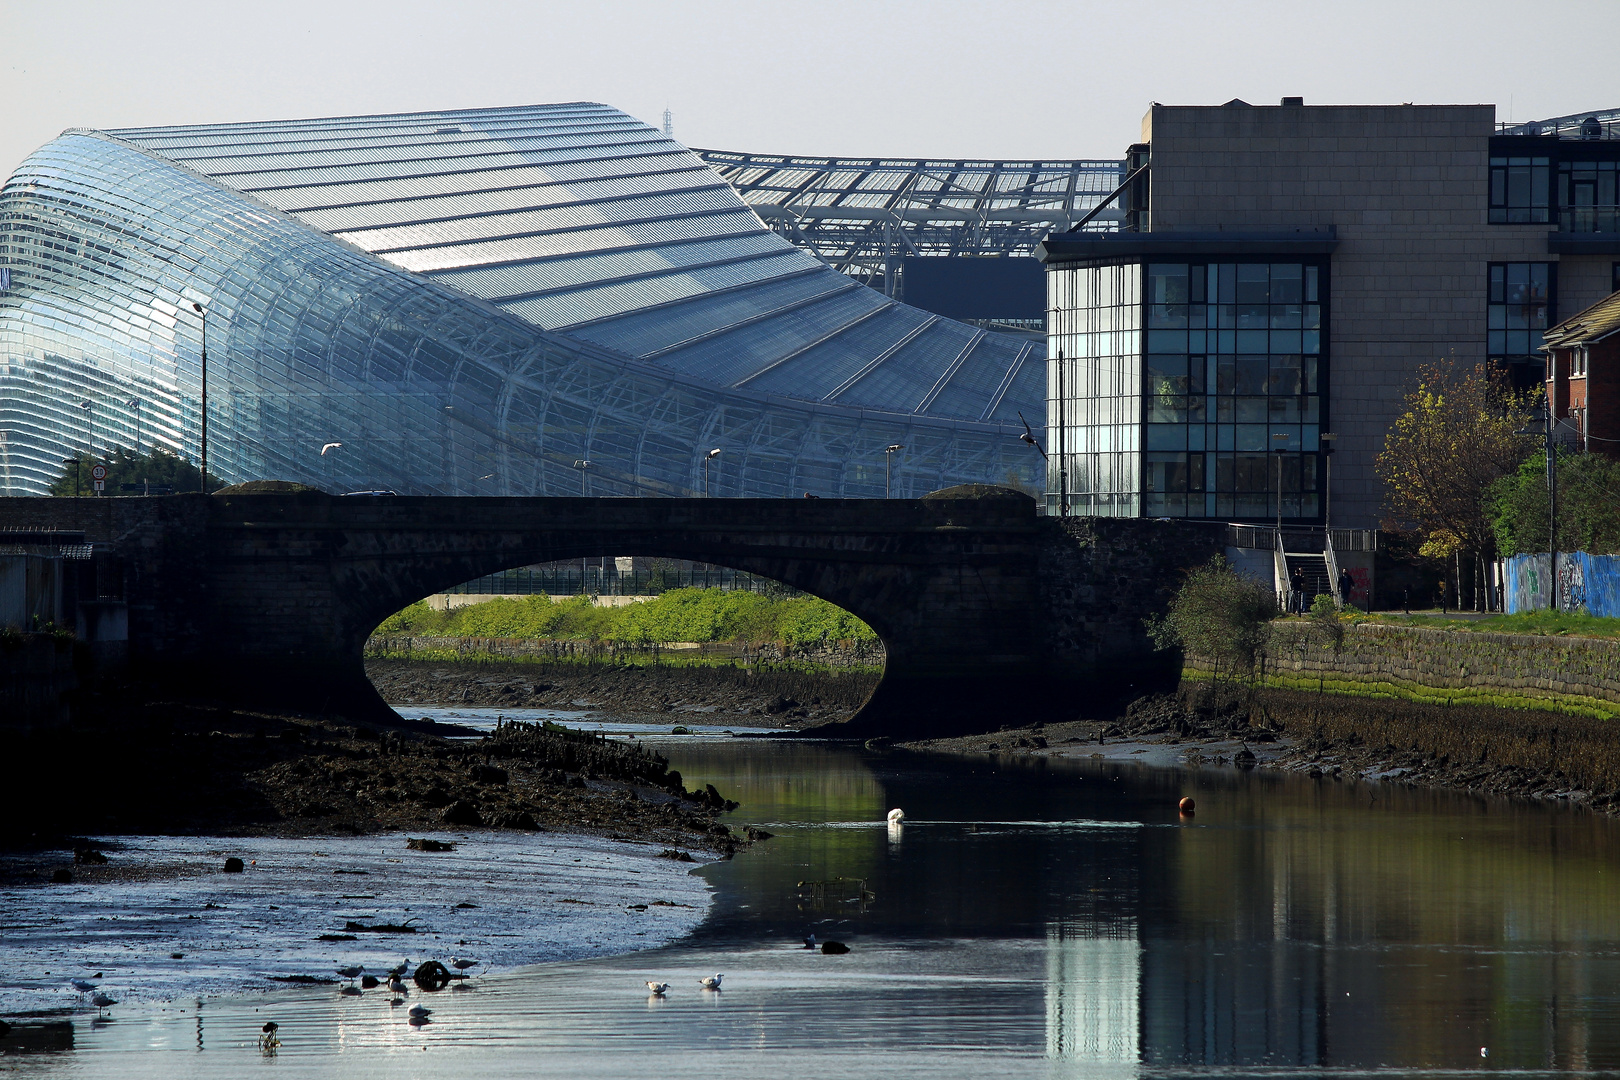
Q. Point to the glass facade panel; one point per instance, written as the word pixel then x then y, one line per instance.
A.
pixel 1520 190
pixel 1219 411
pixel 671 297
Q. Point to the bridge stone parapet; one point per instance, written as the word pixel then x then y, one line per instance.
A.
pixel 988 613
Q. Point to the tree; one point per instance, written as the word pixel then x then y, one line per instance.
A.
pixel 1220 616
pixel 158 469
pixel 1455 436
pixel 1588 505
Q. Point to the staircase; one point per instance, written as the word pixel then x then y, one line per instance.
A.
pixel 1318 580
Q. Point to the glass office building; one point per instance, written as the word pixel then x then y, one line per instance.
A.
pixel 1187 387
pixel 546 300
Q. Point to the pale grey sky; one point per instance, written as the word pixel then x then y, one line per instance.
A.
pixel 1013 79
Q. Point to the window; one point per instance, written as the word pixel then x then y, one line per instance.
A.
pixel 1519 303
pixel 1232 360
pixel 1587 197
pixel 1519 189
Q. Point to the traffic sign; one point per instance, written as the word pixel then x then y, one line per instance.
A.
pixel 98 473
pixel 101 485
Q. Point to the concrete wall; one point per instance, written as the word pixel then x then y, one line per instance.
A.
pixel 1406 188
pixel 451 601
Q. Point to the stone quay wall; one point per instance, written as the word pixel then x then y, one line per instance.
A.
pixel 1575 675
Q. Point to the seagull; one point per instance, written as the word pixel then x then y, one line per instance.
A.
pixel 82 986
pixel 398 986
pixel 810 941
pixel 462 965
pixel 102 1001
pixel 398 971
pixel 896 816
pixel 710 982
pixel 658 988
pixel 331 446
pixel 420 1011
pixel 351 973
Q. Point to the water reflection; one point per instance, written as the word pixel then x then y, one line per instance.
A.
pixel 1042 919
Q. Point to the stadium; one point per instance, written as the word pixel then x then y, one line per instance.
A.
pixel 540 300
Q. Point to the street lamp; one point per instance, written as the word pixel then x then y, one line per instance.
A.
pixel 583 464
pixel 1328 438
pixel 888 467
pixel 74 461
pixel 135 406
pixel 89 430
pixel 712 454
pixel 1281 439
pixel 202 478
pixel 1063 474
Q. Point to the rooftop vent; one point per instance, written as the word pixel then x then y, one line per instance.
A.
pixel 1236 103
pixel 449 131
pixel 1294 102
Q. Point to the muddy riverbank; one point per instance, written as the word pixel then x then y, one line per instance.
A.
pixel 1517 753
pixel 766 696
pixel 181 768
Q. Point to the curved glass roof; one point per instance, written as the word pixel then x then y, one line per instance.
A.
pixel 581 219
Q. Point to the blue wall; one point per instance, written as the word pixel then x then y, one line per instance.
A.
pixel 1590 582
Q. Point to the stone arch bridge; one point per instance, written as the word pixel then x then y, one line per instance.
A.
pixel 990 615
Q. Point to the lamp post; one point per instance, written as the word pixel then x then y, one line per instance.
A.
pixel 1280 447
pixel 74 461
pixel 1328 438
pixel 1063 496
pixel 583 465
pixel 710 456
pixel 202 478
pixel 135 406
pixel 89 430
pixel 888 468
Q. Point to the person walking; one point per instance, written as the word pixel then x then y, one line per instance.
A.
pixel 1296 591
pixel 1346 584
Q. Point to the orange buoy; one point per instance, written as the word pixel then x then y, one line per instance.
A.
pixel 1186 806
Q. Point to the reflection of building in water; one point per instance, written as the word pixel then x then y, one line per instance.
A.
pixel 1093 990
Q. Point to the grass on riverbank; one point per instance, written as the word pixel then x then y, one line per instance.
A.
pixel 700 615
pixel 1544 623
pixel 1568 751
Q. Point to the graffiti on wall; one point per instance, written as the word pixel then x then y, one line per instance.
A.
pixel 1585 582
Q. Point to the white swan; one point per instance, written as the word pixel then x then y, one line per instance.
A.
pixel 896 816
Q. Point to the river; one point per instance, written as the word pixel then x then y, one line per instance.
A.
pixel 1032 917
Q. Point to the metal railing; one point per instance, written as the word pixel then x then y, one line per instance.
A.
pixel 1300 538
pixel 607 581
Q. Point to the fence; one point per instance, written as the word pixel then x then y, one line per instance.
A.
pixel 606 581
pixel 1589 582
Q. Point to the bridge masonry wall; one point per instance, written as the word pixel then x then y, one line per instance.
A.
pixel 983 607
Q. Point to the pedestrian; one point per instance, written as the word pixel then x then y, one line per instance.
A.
pixel 1346 584
pixel 1296 589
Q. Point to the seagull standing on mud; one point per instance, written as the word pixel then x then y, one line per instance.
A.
pixel 710 982
pixel 102 1001
pixel 658 989
pixel 351 973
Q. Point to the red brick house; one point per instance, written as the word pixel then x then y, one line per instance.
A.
pixel 1583 377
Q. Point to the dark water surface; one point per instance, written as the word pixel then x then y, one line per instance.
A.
pixel 1031 918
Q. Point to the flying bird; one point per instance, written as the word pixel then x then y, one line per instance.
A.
pixel 658 988
pixel 331 446
pixel 710 982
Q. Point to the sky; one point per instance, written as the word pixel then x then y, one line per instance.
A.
pixel 1009 79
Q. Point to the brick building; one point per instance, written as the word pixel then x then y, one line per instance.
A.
pixel 1583 378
